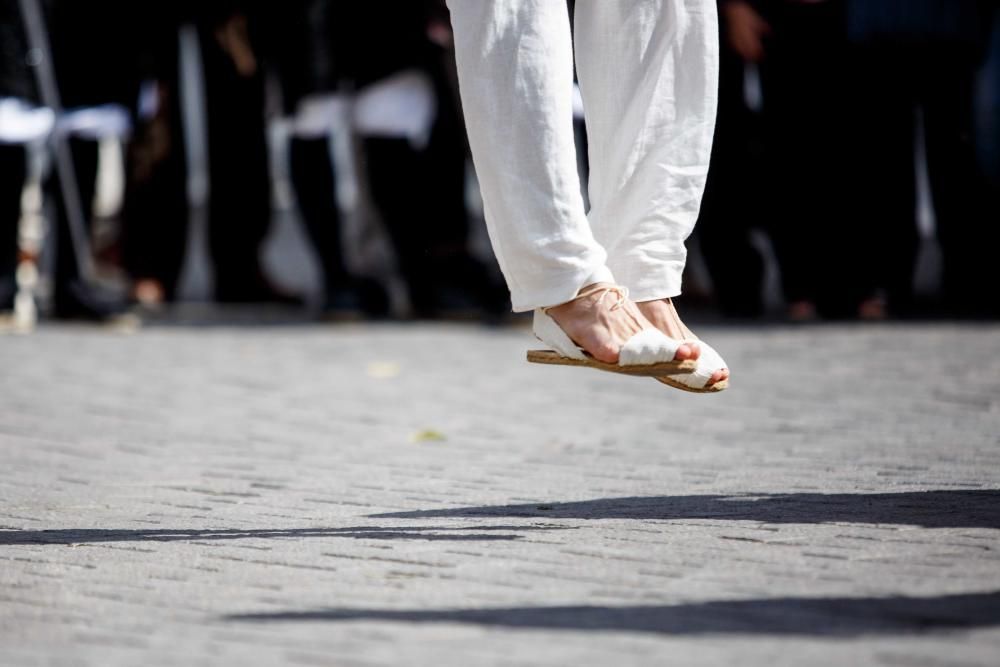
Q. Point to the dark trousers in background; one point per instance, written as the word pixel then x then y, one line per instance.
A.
pixel 313 177
pixel 419 193
pixel 68 289
pixel 894 81
pixel 732 202
pixel 240 183
pixel 239 208
pixel 811 193
pixel 155 220
pixel 13 171
pixel 420 196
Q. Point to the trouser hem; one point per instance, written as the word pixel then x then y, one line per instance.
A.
pixel 559 291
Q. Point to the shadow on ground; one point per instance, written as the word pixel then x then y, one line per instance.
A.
pixel 88 535
pixel 831 617
pixel 927 509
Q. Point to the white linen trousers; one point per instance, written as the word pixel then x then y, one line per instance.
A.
pixel 648 72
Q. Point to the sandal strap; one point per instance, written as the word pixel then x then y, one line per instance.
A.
pixel 602 290
pixel 708 362
pixel 549 332
pixel 649 346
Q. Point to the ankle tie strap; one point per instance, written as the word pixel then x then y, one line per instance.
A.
pixel 601 291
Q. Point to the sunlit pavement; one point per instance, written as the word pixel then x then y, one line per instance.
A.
pixel 418 494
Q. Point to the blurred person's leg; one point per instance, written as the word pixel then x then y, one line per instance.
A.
pixel 155 217
pixel 731 204
pixel 397 181
pixel 988 109
pixel 968 222
pixel 13 171
pixel 304 46
pixel 84 160
pixel 239 176
pixel 311 171
pixel 71 297
pixel 314 180
pixel 882 136
pixel 420 194
pixel 804 88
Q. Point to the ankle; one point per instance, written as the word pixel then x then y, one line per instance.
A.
pixel 660 312
pixel 588 297
pixel 655 305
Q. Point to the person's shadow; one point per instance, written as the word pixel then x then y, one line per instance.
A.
pixel 927 509
pixel 821 616
pixel 67 536
pixel 825 617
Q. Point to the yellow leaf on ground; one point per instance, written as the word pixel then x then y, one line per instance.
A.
pixel 427 435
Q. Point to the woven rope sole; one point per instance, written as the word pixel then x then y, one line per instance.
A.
pixel 647 370
pixel 711 389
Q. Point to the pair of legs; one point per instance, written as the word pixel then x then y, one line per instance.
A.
pixel 940 81
pixel 648 72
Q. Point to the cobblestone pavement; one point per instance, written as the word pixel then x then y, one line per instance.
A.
pixel 417 494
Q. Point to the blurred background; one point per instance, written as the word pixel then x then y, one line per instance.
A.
pixel 310 155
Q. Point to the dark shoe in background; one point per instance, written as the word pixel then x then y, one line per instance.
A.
pixel 357 297
pixel 8 290
pixel 78 301
pixel 459 287
pixel 255 289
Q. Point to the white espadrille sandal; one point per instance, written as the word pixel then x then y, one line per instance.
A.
pixel 697 381
pixel 648 353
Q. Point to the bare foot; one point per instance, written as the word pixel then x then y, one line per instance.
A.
pixel 602 321
pixel 664 317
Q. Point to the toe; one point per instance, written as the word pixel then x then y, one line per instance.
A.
pixel 687 351
pixel 719 376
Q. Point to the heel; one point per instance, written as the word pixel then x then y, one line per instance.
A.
pixel 549 332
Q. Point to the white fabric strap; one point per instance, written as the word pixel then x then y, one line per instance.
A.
pixel 709 362
pixel 550 333
pixel 649 346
